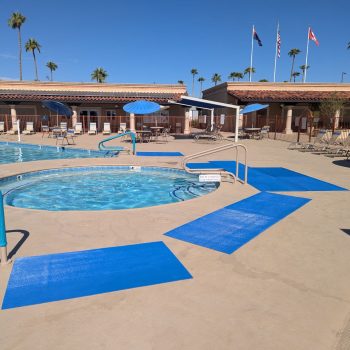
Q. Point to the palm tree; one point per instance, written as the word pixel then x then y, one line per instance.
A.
pixel 32 45
pixel 235 75
pixel 348 45
pixel 99 74
pixel 263 81
pixel 194 72
pixel 200 80
pixel 15 22
pixel 295 74
pixel 181 82
pixel 52 66
pixel 216 78
pixel 250 71
pixel 304 68
pixel 293 53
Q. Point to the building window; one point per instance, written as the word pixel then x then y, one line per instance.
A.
pixel 111 113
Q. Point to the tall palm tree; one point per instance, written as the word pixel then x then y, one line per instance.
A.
pixel 181 82
pixel 52 66
pixel 250 71
pixel 304 68
pixel 216 78
pixel 200 80
pixel 295 74
pixel 194 72
pixel 292 53
pixel 235 75
pixel 15 22
pixel 32 45
pixel 99 74
pixel 263 81
pixel 349 45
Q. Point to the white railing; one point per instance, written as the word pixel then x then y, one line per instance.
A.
pixel 235 176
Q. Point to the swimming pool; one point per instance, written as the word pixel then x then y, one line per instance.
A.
pixel 12 152
pixel 101 188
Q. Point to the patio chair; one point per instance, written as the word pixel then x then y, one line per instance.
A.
pixel 2 127
pixel 14 130
pixel 122 128
pixel 29 130
pixel 92 129
pixel 265 132
pixel 106 129
pixel 320 141
pixel 70 135
pixel 341 150
pixel 63 126
pixel 165 134
pixel 78 128
pixel 45 129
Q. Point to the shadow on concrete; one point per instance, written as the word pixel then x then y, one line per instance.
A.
pixel 15 249
pixel 346 230
pixel 343 162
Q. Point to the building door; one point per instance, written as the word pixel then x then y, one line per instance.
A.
pixel 89 115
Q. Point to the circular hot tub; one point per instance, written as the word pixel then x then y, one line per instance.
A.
pixel 102 188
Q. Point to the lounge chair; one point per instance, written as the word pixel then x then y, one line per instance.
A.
pixel 92 129
pixel 29 130
pixel 14 130
pixel 2 127
pixel 106 129
pixel 63 126
pixel 78 128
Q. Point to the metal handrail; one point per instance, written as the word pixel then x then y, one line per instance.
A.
pixel 215 150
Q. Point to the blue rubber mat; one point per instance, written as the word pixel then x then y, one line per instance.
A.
pixel 46 278
pixel 272 179
pixel 229 228
pixel 159 154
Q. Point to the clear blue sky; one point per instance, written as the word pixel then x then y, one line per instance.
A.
pixel 159 41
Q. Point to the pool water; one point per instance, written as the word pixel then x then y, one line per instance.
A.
pixel 102 188
pixel 11 152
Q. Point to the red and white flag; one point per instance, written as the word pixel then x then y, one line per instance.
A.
pixel 312 37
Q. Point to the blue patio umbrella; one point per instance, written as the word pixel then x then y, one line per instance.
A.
pixel 141 107
pixel 58 107
pixel 252 108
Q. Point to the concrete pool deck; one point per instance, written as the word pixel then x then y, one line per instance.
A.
pixel 286 289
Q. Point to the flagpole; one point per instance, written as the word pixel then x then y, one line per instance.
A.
pixel 307 54
pixel 251 56
pixel 274 71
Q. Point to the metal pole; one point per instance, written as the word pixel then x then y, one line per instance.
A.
pixel 251 56
pixel 3 240
pixel 307 54
pixel 236 126
pixel 18 130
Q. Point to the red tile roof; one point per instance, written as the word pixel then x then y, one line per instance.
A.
pixel 286 96
pixel 78 97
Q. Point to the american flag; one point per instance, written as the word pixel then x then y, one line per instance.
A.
pixel 278 44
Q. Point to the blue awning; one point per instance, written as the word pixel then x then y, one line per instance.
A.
pixel 252 108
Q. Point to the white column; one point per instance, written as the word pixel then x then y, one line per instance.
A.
pixel 288 129
pixel 187 123
pixel 74 115
pixel 336 119
pixel 13 115
pixel 132 122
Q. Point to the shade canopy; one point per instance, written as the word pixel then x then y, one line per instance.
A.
pixel 142 107
pixel 188 101
pixel 58 107
pixel 252 108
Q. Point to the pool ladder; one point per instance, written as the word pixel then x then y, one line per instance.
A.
pixel 220 171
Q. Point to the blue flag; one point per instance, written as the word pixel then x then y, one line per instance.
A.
pixel 256 37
